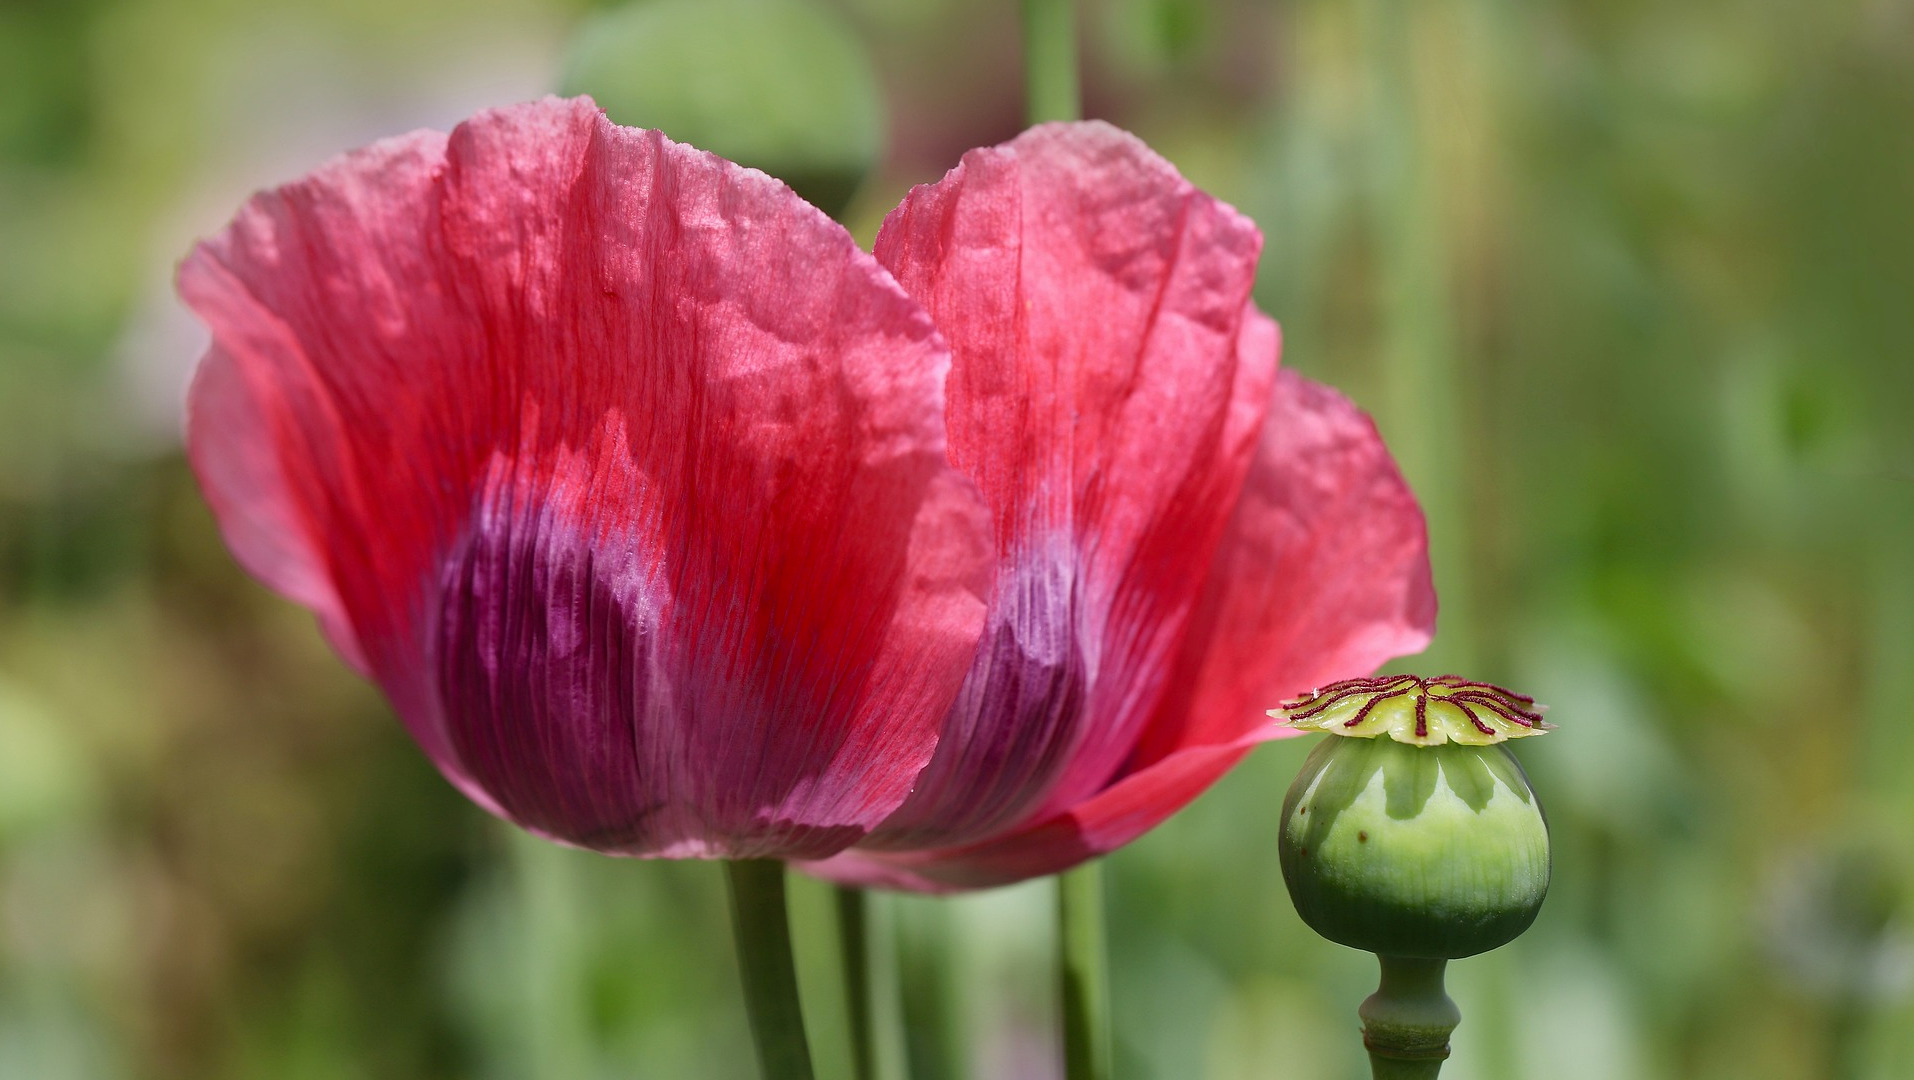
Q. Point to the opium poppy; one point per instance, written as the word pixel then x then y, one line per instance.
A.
pixel 674 524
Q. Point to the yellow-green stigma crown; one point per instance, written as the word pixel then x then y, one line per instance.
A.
pixel 1410 709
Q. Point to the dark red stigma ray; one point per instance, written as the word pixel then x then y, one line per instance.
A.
pixel 1468 695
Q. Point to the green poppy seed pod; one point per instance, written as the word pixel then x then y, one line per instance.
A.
pixel 1413 833
pixel 1433 852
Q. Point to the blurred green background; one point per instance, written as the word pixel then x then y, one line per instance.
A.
pixel 1629 286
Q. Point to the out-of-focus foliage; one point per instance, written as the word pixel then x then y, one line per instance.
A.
pixel 778 85
pixel 1627 286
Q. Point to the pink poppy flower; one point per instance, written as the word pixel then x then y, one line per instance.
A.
pixel 673 524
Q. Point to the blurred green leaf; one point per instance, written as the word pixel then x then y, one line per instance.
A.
pixel 778 85
pixel 45 776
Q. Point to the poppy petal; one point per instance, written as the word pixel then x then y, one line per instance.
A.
pixel 1107 821
pixel 1102 398
pixel 617 465
pixel 252 498
pixel 1324 573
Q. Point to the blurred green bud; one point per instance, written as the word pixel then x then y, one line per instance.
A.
pixel 777 85
pixel 1835 917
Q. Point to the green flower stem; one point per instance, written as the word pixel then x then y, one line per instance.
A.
pixel 1050 61
pixel 1406 1023
pixel 854 938
pixel 762 929
pixel 1082 974
pixel 935 1015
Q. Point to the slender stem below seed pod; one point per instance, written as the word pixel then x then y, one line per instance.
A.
pixel 1083 981
pixel 1407 1021
pixel 762 929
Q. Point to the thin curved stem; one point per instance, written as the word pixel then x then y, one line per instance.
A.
pixel 1082 974
pixel 762 928
pixel 854 938
pixel 935 1020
